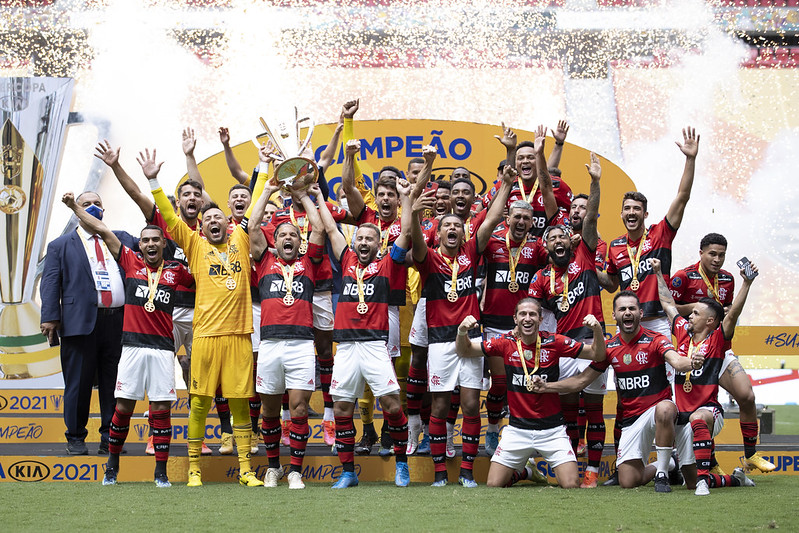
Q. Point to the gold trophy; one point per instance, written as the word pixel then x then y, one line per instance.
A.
pixel 294 172
pixel 33 119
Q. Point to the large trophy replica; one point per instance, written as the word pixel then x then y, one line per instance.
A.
pixel 294 172
pixel 33 115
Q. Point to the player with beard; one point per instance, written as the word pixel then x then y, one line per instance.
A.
pixel 569 288
pixel 536 423
pixel 448 278
pixel 223 320
pixel 148 356
pixel 688 286
pixel 575 221
pixel 648 413
pixel 371 281
pixel 707 331
pixel 286 361
pixel 628 255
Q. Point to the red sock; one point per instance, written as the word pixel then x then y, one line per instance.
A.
pixel 161 422
pixel 345 442
pixel 118 432
pixel 270 431
pixel 471 440
pixel 749 433
pixel 416 387
pixel 595 433
pixel 702 444
pixel 454 406
pixel 716 481
pixel 325 371
pixel 495 398
pixel 398 429
pixel 438 442
pixel 298 434
pixel 517 476
pixel 570 414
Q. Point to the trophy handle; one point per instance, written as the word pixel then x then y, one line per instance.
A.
pixel 271 137
pixel 307 139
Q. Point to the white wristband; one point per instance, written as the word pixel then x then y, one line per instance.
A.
pixel 154 184
pixel 263 168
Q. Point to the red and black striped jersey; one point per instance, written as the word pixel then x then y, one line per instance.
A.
pixel 583 295
pixel 443 316
pixel 184 296
pixel 640 367
pixel 324 279
pixel 278 320
pixel 530 410
pixel 657 245
pixel 687 286
pixel 563 219
pixel 705 381
pixel 563 196
pixel 142 328
pixel 499 302
pixel 383 282
pixel 470 227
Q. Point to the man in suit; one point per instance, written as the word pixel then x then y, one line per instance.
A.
pixel 82 300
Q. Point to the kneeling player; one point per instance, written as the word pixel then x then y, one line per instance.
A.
pixel 536 423
pixel 148 356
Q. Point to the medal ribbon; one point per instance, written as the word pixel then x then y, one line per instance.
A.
pixel 691 349
pixel 359 272
pixel 224 260
pixel 564 278
pixel 303 227
pixel 466 233
pixel 528 199
pixel 712 289
pixel 152 283
pixel 288 277
pixel 384 235
pixel 635 261
pixel 537 360
pixel 513 261
pixel 454 266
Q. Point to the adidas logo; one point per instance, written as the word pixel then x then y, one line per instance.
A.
pixel 391 382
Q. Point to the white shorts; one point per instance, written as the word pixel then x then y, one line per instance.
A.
pixel 393 331
pixel 637 440
pixel 255 336
pixel 323 310
pixel 548 321
pixel 182 330
pixel 418 335
pixel 358 363
pixel 285 364
pixel 446 370
pixel 492 333
pixel 729 357
pixel 516 446
pixel 571 367
pixel 684 436
pixel 146 370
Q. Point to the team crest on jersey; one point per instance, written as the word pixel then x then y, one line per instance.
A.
pixel 676 282
pixel 544 356
pixel 527 253
pixel 233 249
pixel 395 230
pixel 647 246
pixel 722 293
pixel 642 358
pixel 169 277
pixel 574 268
pixel 464 261
pixel 372 268
pixel 628 358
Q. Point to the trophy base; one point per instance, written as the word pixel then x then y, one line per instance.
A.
pixel 24 351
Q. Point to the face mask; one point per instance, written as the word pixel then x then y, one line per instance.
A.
pixel 95 211
pixel 343 203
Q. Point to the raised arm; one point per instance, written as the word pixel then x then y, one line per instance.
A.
pixel 94 225
pixel 232 163
pixel 189 143
pixel 609 282
pixel 559 133
pixel 731 318
pixel 151 170
pixel 404 190
pixel 263 191
pixel 508 140
pixel 689 147
pixel 666 299
pixel 464 346
pixel 110 157
pixel 497 208
pixel 348 111
pixel 317 235
pixel 355 202
pixel 589 233
pixel 596 351
pixel 328 155
pixel 544 179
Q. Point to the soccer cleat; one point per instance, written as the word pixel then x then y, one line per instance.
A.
pixel 739 474
pixel 702 488
pixel 272 476
pixel 254 441
pixel 414 430
pixel 364 446
pixel 662 482
pixel 424 446
pixel 675 474
pixel 756 461
pixel 248 479
pixel 162 482
pixel 285 438
pixel 581 448
pixel 205 450
pixel 385 452
pixel 717 470
pixel 467 483
pixel 150 449
pixel 613 480
pixel 589 480
pixel 295 480
pixel 346 480
pixel 329 432
pixel 110 477
pixel 439 483
pixel 226 445
pixel 195 479
pixel 402 476
pixel 492 441
pixel 536 476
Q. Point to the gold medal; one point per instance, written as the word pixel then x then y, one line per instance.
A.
pixel 564 297
pixel 564 305
pixel 303 248
pixel 634 284
pixel 288 299
pixel 288 281
pixel 152 287
pixel 526 355
pixel 230 283
pixel 528 383
pixel 635 259
pixel 362 308
pixel 452 296
pixel 149 307
pixel 687 386
pixel 513 286
pixel 303 230
pixel 454 266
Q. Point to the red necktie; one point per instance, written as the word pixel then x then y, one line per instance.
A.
pixel 105 296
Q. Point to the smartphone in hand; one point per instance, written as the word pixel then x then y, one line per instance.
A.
pixel 746 265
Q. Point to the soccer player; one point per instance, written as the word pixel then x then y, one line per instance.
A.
pixel 707 331
pixel 537 426
pixel 222 349
pixel 371 281
pixel 638 357
pixel 688 286
pixel 448 275
pixel 148 356
pixel 569 288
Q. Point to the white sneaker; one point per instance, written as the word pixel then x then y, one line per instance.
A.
pixel 702 488
pixel 272 476
pixel 739 474
pixel 414 430
pixel 295 480
pixel 450 442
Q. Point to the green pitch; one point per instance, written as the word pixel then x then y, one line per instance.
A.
pixel 220 507
pixel 786 418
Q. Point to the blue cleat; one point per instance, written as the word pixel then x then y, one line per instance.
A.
pixel 492 441
pixel 110 477
pixel 439 483
pixel 346 480
pixel 424 446
pixel 402 477
pixel 162 482
pixel 467 483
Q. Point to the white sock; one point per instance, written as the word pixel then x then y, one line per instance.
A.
pixel 593 469
pixel 662 463
pixel 286 414
pixel 492 428
pixel 328 416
